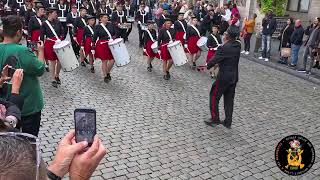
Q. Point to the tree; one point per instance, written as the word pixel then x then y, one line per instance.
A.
pixel 276 6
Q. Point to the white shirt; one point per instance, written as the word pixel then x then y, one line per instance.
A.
pixel 227 16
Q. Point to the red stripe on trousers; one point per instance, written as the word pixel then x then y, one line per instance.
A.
pixel 213 99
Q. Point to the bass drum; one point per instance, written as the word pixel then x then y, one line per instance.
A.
pixel 177 53
pixel 120 52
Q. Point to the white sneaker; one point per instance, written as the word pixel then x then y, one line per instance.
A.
pixel 261 58
pixel 242 52
pixel 247 53
pixel 266 60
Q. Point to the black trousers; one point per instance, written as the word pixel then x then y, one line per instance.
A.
pixel 30 124
pixel 247 39
pixel 140 35
pixel 218 89
pixel 123 33
pixel 128 31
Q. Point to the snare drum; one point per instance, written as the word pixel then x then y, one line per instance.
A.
pixel 66 56
pixel 130 19
pixel 154 47
pixel 177 53
pixel 119 52
pixel 62 19
pixel 202 43
pixel 123 26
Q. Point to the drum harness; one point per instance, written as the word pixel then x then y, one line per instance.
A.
pixel 215 39
pixel 184 29
pixel 107 31
pixel 53 31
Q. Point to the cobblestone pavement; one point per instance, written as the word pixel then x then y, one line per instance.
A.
pixel 154 128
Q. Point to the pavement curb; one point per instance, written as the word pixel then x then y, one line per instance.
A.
pixel 312 78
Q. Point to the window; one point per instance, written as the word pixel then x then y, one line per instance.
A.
pixel 298 5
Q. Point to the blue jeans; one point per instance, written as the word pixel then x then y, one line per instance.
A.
pixel 266 46
pixel 294 53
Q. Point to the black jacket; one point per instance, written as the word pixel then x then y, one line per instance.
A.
pixel 297 36
pixel 285 36
pixel 269 25
pixel 227 57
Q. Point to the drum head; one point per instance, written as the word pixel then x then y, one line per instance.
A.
pixel 154 45
pixel 61 44
pixel 116 41
pixel 174 43
pixel 202 41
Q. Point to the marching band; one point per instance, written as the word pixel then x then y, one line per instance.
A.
pixel 92 26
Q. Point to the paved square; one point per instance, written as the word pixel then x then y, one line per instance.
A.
pixel 154 128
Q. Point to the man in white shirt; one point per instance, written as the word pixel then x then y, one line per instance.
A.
pixel 227 14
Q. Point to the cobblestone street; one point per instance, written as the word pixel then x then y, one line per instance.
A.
pixel 153 128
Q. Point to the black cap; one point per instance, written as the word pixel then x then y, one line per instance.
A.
pixel 151 21
pixel 181 13
pixel 167 19
pixel 103 14
pixel 193 17
pixel 90 17
pixel 233 31
pixel 82 7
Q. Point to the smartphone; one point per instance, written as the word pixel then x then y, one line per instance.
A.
pixel 85 125
pixel 11 71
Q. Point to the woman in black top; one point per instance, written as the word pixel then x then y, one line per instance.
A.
pixel 284 37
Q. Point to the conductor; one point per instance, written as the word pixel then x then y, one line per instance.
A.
pixel 227 59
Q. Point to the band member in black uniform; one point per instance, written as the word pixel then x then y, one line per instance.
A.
pixel 161 21
pixel 180 27
pixel 71 18
pixel 50 37
pixel 166 36
pixel 105 32
pixel 119 19
pixel 93 7
pixel 192 36
pixel 213 42
pixel 86 44
pixel 150 36
pixel 79 25
pixel 31 11
pixel 34 28
pixel 129 13
pixel 15 4
pixel 142 18
pixel 104 9
pixel 52 3
pixel 23 9
pixel 63 9
pixel 227 59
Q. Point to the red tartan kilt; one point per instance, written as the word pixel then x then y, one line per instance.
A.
pixel 192 44
pixel 35 34
pixel 79 35
pixel 148 48
pixel 49 53
pixel 211 54
pixel 179 36
pixel 103 51
pixel 165 55
pixel 87 45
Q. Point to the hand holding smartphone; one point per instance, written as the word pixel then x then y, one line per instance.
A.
pixel 85 125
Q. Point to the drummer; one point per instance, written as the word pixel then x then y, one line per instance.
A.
pixel 166 36
pixel 180 26
pixel 62 13
pixel 86 44
pixel 104 9
pixel 213 42
pixel 118 18
pixel 150 36
pixel 79 25
pixel 34 25
pixel 192 37
pixel 142 18
pixel 129 12
pixel 105 32
pixel 52 32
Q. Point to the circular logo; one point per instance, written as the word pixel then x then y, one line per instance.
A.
pixel 294 155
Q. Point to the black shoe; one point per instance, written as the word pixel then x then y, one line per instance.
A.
pixel 47 68
pixel 211 122
pixel 92 69
pixel 149 69
pixel 109 77
pixel 86 60
pixel 83 64
pixel 168 74
pixel 57 80
pixel 292 65
pixel 54 84
pixel 227 126
pixel 105 79
pixel 165 77
pixel 150 65
pixel 316 65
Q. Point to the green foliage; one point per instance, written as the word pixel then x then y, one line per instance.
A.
pixel 278 7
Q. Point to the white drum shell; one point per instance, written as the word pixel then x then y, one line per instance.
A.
pixel 120 52
pixel 66 56
pixel 177 53
pixel 202 44
pixel 154 47
pixel 130 19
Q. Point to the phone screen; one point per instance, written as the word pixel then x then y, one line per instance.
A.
pixel 11 71
pixel 85 125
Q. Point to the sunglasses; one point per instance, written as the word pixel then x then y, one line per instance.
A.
pixel 33 140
